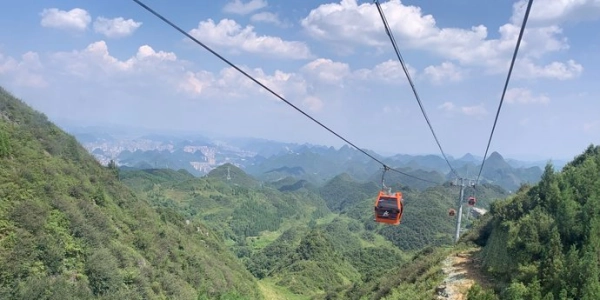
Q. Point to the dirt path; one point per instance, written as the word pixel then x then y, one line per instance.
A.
pixel 462 271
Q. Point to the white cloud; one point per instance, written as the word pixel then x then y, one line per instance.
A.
pixel 241 8
pixel 117 27
pixel 152 69
pixel 552 11
pixel 473 111
pixel 147 69
pixel 148 87
pixel 159 69
pixel 297 86
pixel 94 67
pixel 524 96
pixel 229 83
pixel 469 47
pixel 389 71
pixel 313 103
pixel 267 17
pixel 76 19
pixel 25 73
pixel 554 70
pixel 446 72
pixel 447 106
pixel 228 33
pixel 327 71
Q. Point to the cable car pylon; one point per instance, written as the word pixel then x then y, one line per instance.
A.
pixel 458 220
pixel 461 198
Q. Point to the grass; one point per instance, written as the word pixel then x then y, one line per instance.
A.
pixel 265 238
pixel 271 291
pixel 327 219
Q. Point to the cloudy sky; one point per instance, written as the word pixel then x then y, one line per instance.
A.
pixel 112 62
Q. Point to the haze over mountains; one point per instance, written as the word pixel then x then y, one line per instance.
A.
pixel 272 160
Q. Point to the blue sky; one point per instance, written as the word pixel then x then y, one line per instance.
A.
pixel 112 62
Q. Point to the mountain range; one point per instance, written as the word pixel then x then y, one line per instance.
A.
pixel 71 228
pixel 272 160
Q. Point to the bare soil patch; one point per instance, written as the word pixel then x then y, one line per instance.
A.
pixel 462 271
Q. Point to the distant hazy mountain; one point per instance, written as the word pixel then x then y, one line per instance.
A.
pixel 469 158
pixel 498 171
pixel 557 163
pixel 272 161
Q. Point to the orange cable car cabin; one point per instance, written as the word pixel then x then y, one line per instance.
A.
pixel 389 208
pixel 451 212
pixel 471 201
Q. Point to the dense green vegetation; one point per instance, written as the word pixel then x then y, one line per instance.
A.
pixel 300 238
pixel 416 279
pixel 70 230
pixel 543 243
pixel 425 221
pixel 289 239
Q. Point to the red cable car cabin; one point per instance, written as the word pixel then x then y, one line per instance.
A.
pixel 471 201
pixel 389 208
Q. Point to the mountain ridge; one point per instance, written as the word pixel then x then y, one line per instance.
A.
pixel 271 160
pixel 535 244
pixel 70 230
pixel 77 229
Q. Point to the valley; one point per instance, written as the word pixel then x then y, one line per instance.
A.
pixel 266 150
pixel 73 228
pixel 157 228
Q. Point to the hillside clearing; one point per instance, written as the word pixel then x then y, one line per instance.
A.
pixel 271 291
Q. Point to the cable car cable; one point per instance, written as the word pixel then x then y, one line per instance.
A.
pixel 396 49
pixel 512 63
pixel 274 93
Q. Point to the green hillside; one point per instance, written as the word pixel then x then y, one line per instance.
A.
pixel 70 230
pixel 288 239
pixel 303 240
pixel 425 221
pixel 417 278
pixel 543 243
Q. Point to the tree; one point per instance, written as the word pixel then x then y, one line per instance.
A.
pixel 112 165
pixel 4 144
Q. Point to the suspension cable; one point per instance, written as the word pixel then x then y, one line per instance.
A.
pixel 512 63
pixel 274 93
pixel 397 50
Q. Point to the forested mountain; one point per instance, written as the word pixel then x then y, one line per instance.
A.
pixel 288 239
pixel 302 239
pixel 543 242
pixel 70 230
